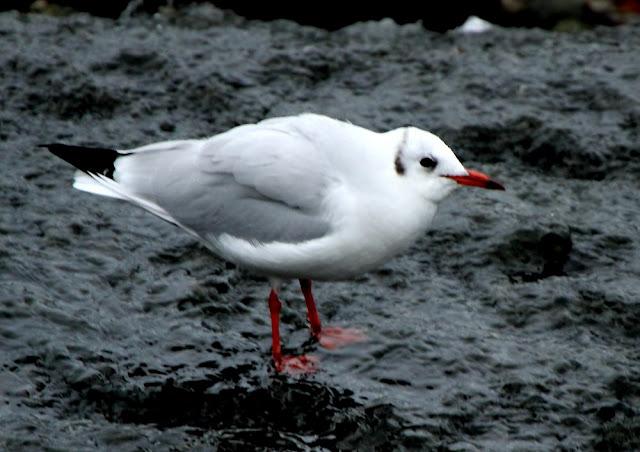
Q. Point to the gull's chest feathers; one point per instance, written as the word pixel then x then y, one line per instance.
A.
pixel 382 225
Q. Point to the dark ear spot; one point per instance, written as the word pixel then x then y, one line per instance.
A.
pixel 428 162
pixel 398 162
pixel 399 165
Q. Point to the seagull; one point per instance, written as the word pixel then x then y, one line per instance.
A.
pixel 304 197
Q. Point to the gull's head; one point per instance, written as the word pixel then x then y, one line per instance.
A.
pixel 432 168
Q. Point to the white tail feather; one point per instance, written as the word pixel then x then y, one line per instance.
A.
pixel 82 181
pixel 102 185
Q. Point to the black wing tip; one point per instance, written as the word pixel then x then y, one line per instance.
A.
pixel 87 159
pixel 51 146
pixel 56 148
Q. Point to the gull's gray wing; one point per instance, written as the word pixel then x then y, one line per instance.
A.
pixel 264 182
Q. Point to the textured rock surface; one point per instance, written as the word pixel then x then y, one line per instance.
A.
pixel 513 323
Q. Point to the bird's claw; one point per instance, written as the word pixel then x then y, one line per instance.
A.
pixel 333 337
pixel 297 365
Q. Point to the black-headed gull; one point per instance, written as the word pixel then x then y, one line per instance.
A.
pixel 305 197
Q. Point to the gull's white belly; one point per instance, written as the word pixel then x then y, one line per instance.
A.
pixel 373 235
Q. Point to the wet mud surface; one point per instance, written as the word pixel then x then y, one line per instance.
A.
pixel 513 324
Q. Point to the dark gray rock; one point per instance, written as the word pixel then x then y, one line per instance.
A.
pixel 512 324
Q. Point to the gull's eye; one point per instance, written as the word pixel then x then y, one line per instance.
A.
pixel 428 162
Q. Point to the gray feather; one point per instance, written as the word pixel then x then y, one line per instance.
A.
pixel 253 182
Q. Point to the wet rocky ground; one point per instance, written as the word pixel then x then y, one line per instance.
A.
pixel 513 324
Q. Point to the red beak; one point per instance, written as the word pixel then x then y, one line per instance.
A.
pixel 477 179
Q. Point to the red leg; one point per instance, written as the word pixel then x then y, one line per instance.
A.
pixel 274 309
pixel 312 312
pixel 288 364
pixel 329 337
